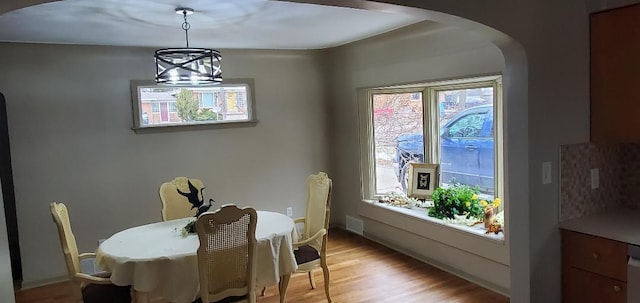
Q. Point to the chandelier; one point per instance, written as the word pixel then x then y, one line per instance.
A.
pixel 188 66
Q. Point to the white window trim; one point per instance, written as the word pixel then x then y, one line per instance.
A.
pixel 429 89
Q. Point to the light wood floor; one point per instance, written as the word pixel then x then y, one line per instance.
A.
pixel 361 271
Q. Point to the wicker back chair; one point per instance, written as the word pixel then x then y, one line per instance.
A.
pixel 227 254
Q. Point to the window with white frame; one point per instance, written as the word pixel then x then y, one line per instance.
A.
pixel 456 124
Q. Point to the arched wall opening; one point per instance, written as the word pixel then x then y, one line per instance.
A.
pixel 515 150
pixel 516 126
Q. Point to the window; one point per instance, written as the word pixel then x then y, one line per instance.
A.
pixel 207 100
pixel 241 99
pixel 172 107
pixel 456 124
pixel 191 105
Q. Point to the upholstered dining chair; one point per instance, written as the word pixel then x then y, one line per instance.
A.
pixel 85 288
pixel 176 205
pixel 311 250
pixel 227 255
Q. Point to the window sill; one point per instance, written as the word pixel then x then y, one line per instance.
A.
pixel 187 127
pixel 417 221
pixel 423 214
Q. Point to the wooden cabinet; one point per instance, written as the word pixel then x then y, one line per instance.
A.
pixel 615 75
pixel 594 269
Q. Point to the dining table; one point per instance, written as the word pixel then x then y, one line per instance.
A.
pixel 159 260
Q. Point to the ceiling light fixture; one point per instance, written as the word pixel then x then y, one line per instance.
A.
pixel 188 66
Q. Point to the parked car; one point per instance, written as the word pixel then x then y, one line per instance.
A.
pixel 467 149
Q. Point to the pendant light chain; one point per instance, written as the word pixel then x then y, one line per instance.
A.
pixel 186 26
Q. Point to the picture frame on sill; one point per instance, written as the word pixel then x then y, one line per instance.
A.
pixel 424 179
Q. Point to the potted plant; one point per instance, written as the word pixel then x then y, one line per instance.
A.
pixel 456 200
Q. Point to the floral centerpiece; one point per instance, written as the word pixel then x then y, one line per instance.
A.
pixel 456 200
pixel 188 229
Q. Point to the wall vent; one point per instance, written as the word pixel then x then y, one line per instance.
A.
pixel 355 225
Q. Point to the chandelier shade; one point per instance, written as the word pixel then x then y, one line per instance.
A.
pixel 188 66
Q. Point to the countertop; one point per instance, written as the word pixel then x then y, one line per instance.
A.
pixel 621 225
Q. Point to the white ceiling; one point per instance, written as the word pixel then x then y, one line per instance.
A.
pixel 246 24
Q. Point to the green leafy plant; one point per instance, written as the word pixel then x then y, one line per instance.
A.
pixel 190 228
pixel 187 105
pixel 206 114
pixel 458 199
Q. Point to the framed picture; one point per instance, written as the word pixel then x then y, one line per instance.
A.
pixel 423 179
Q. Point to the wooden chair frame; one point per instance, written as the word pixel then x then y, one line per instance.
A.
pixel 310 266
pixel 70 249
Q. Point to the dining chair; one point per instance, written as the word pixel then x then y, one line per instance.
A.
pixel 85 288
pixel 176 205
pixel 311 250
pixel 227 255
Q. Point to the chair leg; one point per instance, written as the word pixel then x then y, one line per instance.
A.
pixel 76 291
pixel 311 280
pixel 325 271
pixel 264 291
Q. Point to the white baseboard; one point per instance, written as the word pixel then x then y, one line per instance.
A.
pixel 38 283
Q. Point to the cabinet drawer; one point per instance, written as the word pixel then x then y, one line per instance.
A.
pixel 595 254
pixel 585 287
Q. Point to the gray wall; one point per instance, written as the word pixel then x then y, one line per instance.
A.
pixel 70 122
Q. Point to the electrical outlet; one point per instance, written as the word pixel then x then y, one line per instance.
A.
pixel 290 212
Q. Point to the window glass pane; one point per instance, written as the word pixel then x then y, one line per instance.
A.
pixel 207 100
pixel 467 138
pixel 397 127
pixel 185 105
pixel 172 107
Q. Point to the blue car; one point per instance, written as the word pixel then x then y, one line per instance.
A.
pixel 467 150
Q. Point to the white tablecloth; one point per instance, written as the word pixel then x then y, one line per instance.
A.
pixel 156 258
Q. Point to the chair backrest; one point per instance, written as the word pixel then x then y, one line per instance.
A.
pixel 175 205
pixel 318 207
pixel 227 253
pixel 67 239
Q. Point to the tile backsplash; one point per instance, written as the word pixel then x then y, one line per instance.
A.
pixel 619 174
